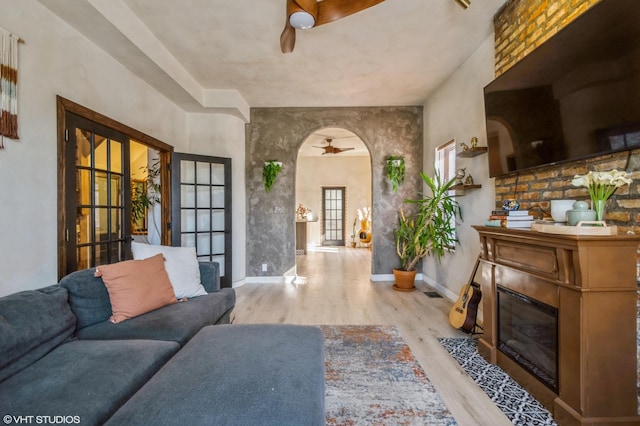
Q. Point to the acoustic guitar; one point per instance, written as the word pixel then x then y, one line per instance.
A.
pixel 464 311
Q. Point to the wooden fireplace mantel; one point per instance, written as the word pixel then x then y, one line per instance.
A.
pixel 591 280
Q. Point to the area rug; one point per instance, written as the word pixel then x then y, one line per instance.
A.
pixel 372 378
pixel 515 402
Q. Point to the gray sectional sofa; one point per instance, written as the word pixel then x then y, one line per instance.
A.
pixel 62 361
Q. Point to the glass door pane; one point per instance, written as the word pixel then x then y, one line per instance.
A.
pixel 96 233
pixel 201 211
pixel 333 216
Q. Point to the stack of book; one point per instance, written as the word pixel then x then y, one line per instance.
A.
pixel 510 219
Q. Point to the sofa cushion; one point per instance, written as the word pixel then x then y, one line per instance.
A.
pixel 178 322
pixel 136 287
pixel 32 323
pixel 181 264
pixel 88 297
pixel 258 374
pixel 88 379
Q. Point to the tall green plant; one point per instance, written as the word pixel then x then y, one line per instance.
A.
pixel 145 196
pixel 431 229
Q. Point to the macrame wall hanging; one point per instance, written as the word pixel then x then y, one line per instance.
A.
pixel 8 86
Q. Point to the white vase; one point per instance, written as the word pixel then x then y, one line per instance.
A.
pixel 559 209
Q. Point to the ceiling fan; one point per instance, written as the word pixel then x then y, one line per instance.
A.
pixel 330 149
pixel 304 14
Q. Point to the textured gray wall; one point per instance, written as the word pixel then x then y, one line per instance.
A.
pixel 278 133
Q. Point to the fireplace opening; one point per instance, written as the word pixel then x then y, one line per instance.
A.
pixel 528 334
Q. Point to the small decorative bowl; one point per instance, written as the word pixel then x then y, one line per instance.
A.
pixel 510 205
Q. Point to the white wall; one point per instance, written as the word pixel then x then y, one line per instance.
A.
pixel 456 111
pixel 57 60
pixel 223 136
pixel 313 173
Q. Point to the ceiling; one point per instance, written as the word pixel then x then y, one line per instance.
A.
pixel 224 55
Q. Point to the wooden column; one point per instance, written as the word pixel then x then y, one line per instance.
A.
pixel 591 280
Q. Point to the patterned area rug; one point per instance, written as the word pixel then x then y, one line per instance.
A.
pixel 372 378
pixel 515 402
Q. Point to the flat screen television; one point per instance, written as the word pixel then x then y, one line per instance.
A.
pixel 575 96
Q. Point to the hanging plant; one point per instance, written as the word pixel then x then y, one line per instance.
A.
pixel 395 171
pixel 270 172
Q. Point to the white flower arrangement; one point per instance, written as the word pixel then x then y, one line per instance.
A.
pixel 601 186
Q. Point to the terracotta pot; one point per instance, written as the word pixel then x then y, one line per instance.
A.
pixel 404 280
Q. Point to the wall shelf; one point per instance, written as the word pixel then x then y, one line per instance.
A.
pixel 472 152
pixel 460 189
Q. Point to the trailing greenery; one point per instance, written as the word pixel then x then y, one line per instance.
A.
pixel 145 196
pixel 395 171
pixel 269 173
pixel 430 229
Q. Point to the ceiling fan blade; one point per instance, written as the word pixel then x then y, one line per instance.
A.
pixel 287 38
pixel 337 150
pixel 331 10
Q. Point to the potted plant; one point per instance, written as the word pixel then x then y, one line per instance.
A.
pixel 395 171
pixel 430 230
pixel 270 172
pixel 144 194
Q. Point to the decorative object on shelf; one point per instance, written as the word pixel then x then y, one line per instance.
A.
pixel 270 172
pixel 468 180
pixel 395 171
pixel 580 213
pixel 303 213
pixel 601 186
pixel 364 234
pixel 511 205
pixel 460 175
pixel 474 142
pixel 464 146
pixel 559 209
pixel 430 230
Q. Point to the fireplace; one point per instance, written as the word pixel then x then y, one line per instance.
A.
pixel 559 316
pixel 528 334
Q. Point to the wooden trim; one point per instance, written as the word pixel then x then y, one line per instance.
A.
pixel 64 106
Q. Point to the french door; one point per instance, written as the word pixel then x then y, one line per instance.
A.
pixel 333 216
pixel 97 171
pixel 201 210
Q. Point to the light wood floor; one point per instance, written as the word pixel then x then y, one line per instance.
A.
pixel 338 291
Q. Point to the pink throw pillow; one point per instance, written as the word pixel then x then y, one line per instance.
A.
pixel 136 287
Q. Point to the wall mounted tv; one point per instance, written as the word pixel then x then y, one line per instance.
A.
pixel 575 96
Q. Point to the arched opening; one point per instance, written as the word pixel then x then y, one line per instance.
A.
pixel 333 194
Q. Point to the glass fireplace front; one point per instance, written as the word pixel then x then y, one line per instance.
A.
pixel 528 334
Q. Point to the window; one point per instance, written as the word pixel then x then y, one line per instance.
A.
pixel 446 167
pixel 446 160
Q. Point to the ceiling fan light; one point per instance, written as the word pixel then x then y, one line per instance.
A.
pixel 301 20
pixel 464 3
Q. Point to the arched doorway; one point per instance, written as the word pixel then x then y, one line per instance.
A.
pixel 333 190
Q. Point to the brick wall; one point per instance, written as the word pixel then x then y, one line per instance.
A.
pixel 521 26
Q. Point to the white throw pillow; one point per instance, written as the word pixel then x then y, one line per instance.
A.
pixel 181 264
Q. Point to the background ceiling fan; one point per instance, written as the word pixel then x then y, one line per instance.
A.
pixel 330 149
pixel 304 14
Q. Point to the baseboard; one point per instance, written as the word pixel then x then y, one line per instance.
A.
pixel 266 280
pixel 440 289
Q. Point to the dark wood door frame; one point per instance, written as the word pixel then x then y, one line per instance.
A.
pixel 64 106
